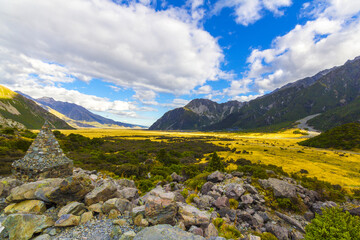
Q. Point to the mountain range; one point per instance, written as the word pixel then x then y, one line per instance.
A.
pixel 333 92
pixel 21 112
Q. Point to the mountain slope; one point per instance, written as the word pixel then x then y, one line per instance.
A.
pixel 16 108
pixel 197 114
pixel 79 116
pixel 337 88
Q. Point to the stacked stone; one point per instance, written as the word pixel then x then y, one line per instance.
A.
pixel 44 159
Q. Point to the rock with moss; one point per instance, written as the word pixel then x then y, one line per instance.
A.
pixel 74 208
pixel 23 226
pixel 6 184
pixel 67 220
pixel 165 232
pixel 27 206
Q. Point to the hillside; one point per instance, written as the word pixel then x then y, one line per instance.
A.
pixel 330 92
pixel 337 88
pixel 78 116
pixel 337 116
pixel 16 111
pixel 346 137
pixel 197 114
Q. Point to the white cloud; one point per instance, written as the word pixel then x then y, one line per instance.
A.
pixel 330 39
pixel 146 96
pixel 247 98
pixel 206 89
pixel 238 87
pixel 130 46
pixel 249 11
pixel 176 103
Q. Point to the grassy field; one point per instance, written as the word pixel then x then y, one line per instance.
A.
pixel 281 149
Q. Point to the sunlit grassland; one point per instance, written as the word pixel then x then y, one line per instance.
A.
pixel 281 149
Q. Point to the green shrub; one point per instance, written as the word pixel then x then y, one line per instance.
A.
pixel 268 236
pixel 145 185
pixel 197 182
pixel 233 203
pixel 334 224
pixel 190 198
pixel 229 231
pixel 185 192
pixel 215 163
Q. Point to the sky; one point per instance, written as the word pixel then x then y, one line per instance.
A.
pixel 133 60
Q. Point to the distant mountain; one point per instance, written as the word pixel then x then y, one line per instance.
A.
pixel 326 91
pixel 19 111
pixel 337 88
pixel 78 116
pixel 197 114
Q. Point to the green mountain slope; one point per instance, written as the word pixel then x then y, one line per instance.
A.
pixel 337 116
pixel 337 88
pixel 17 108
pixel 345 137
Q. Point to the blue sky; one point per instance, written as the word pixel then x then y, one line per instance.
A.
pixel 133 60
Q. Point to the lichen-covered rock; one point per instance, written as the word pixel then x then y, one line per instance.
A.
pixel 222 202
pixel 139 210
pixel 206 188
pixel 72 188
pixel 355 211
pixel 280 232
pixel 43 237
pixel 23 226
pixel 280 188
pixel 177 178
pixel 103 192
pixel 119 204
pixel 33 190
pixel 27 206
pixel 190 215
pixel 129 235
pixel 216 177
pixel 124 183
pixel 234 190
pixel 67 220
pixel 6 184
pixel 211 231
pixel 160 210
pixel 247 199
pixel 319 206
pixel 165 232
pixel 128 193
pixel 204 202
pixel 74 208
pixel 85 217
pixel 97 207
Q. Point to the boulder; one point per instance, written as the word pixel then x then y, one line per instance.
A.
pixel 67 220
pixel 32 190
pixel 211 231
pixel 206 188
pixel 216 177
pixel 247 199
pixel 160 210
pixel 318 206
pixel 251 189
pixel 234 190
pixel 6 184
pixel 222 202
pixel 103 192
pixel 73 188
pixel 119 204
pixel 204 202
pixel 177 178
pixel 228 213
pixel 127 193
pixel 74 208
pixel 190 215
pixel 165 232
pixel 96 207
pixel 282 188
pixel 85 217
pixel 23 226
pixel 280 232
pixel 27 206
pixel 196 231
pixel 124 183
pixel 355 211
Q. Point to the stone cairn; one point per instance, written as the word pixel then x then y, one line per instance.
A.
pixel 44 159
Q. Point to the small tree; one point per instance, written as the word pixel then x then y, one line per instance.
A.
pixel 215 163
pixel 334 224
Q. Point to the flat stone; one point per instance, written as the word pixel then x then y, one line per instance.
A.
pixel 74 208
pixel 27 206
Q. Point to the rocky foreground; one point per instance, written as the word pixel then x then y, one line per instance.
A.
pixel 91 206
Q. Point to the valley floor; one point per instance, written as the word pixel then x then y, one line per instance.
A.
pixel 281 149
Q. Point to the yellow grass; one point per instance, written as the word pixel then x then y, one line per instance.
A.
pixel 280 149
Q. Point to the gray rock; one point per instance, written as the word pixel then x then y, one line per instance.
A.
pixel 165 232
pixel 204 202
pixel 190 215
pixel 309 215
pixel 103 192
pixel 129 235
pixel 127 193
pixel 211 231
pixel 295 235
pixel 74 208
pixel 280 232
pixel 6 184
pixel 247 199
pixel 291 221
pixel 140 210
pixel 214 194
pixel 206 188
pixel 123 183
pixel 216 177
pixel 43 237
pixel 119 204
pixel 196 231
pixel 222 202
pixel 318 206
pixel 234 190
pixel 227 212
pixel 282 188
pixel 355 211
pixel 177 178
pixel 160 210
pixel 251 189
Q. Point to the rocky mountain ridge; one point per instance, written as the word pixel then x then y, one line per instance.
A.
pixel 330 89
pixel 91 205
pixel 18 111
pixel 197 114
